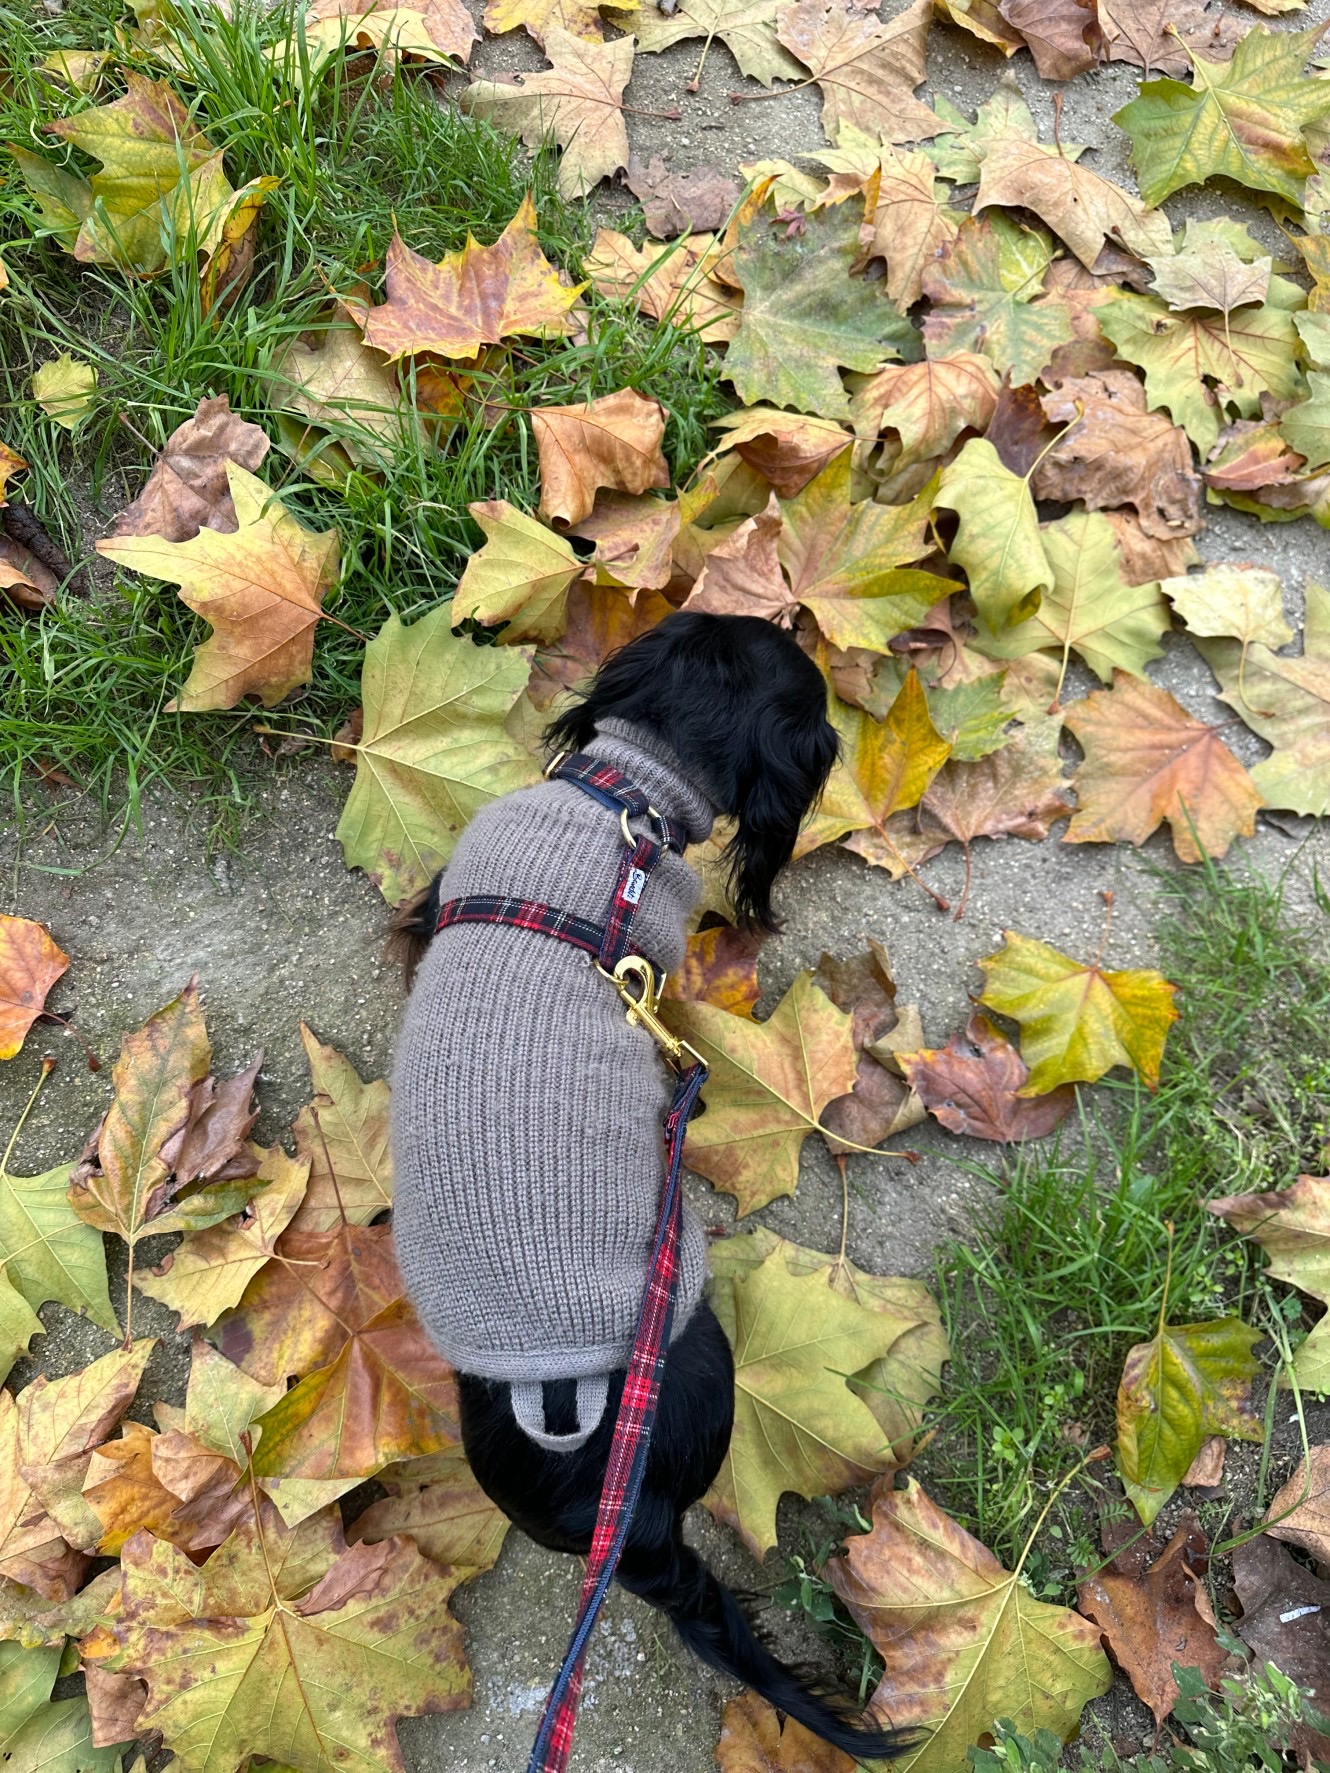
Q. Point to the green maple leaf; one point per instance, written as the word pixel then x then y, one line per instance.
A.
pixel 1247 354
pixel 987 292
pixel 1090 609
pixel 998 542
pixel 1307 427
pixel 805 317
pixel 1242 119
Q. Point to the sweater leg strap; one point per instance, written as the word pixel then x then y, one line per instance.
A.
pixel 529 1410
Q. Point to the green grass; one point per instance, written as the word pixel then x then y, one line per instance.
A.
pixel 85 686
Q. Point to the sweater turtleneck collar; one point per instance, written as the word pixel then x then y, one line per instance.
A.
pixel 652 766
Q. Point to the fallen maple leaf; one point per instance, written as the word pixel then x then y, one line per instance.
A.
pixel 434 30
pixel 478 296
pixel 688 202
pixel 881 1103
pixel 325 1645
pixel 578 101
pixel 261 589
pixel 212 1142
pixel 580 18
pixel 1234 602
pixel 39 1732
pixel 720 968
pixel 519 577
pixel 610 442
pixel 188 490
pixel 1159 35
pixel 1077 1021
pixel 927 404
pixel 669 282
pixel 964 1641
pixel 788 449
pixel 742 574
pixel 797 1426
pixel 30 964
pixel 1284 1609
pixel 1147 557
pixel 1292 1226
pixel 347 391
pixel 344 1135
pixel 867 69
pixel 1063 36
pixel 433 751
pixel 646 544
pixel 998 541
pixel 1148 761
pixel 756 1738
pixel 804 315
pixel 1085 210
pixel 600 620
pixel 972 1086
pixel 1306 426
pixel 987 296
pixel 1157 1616
pixel 1243 119
pixel 229 261
pixel 1186 1383
pixel 222 1402
pixel 769 1083
pixel 746 27
pixel 64 388
pixel 436 1502
pixel 1210 275
pixel 168 1483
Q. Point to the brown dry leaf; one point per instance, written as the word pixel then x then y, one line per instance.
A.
pixel 478 296
pixel 33 1551
pixel 611 442
pixel 437 1502
pixel 433 30
pixel 24 579
pixel 1147 558
pixel 578 100
pixel 755 1738
pixel 691 202
pixel 1146 761
pixel 30 964
pixel 1156 35
pixel 910 224
pixel 1251 454
pixel 867 70
pixel 927 404
pixel 188 490
pixel 344 1135
pixel 1113 452
pixel 1087 211
pixel 1156 1617
pixel 667 281
pixel 1285 1614
pixel 720 968
pixel 1206 1470
pixel 972 1087
pixel 1063 36
pixel 10 464
pixel 170 1484
pixel 742 575
pixel 881 1104
pixel 1016 791
pixel 788 449
pixel 601 618
pixel 344 388
pixel 1300 1513
pixel 211 1144
pixel 581 18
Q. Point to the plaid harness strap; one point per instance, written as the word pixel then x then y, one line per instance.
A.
pixel 609 943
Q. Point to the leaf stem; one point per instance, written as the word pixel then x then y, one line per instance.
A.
pixel 48 1066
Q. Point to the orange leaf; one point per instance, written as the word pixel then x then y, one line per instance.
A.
pixel 613 442
pixel 755 1739
pixel 30 963
pixel 742 575
pixel 720 968
pixel 601 618
pixel 972 1087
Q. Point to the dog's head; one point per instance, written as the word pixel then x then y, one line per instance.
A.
pixel 745 712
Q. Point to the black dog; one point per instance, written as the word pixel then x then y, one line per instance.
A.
pixel 743 711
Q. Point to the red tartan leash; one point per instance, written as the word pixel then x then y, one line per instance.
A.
pixel 635 980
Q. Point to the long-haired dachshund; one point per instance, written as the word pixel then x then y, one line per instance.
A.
pixel 527 1117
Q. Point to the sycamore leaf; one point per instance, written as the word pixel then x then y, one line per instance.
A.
pixel 433 751
pixel 1211 275
pixel 998 542
pixel 964 1641
pixel 1232 602
pixel 1292 1226
pixel 1089 608
pixel 804 316
pixel 987 295
pixel 348 391
pixel 64 388
pixel 612 442
pixel 344 1134
pixel 1113 452
pixel 38 1733
pixel 46 1250
pixel 883 767
pixel 519 577
pixel 682 202
pixel 261 589
pixel 788 449
pixel 30 964
pixel 756 1738
pixel 188 490
pixel 1063 36
pixel 169 1483
pixel 643 543
pixel 844 560
pixel 881 1103
pixel 578 100
pixel 1300 1513
pixel 161 186
pixel 1283 1621
pixel 1286 701
pixel 958 154
pixel 1158 35
pixel 769 1083
pixel 433 31
pixel 797 1424
pixel 19 1323
pixel 910 222
pixel 746 27
pixel 1077 1021
pixel 1156 1617
pixel 867 69
pixel 720 968
pixel 229 263
pixel 208 1271
pixel 1242 119
pixel 926 404
pixel 478 296
pixel 669 282
pixel 1146 761
pixel 742 574
pixel 11 464
pixel 1306 427
pixel 1186 1383
pixel 222 1402
pixel 1085 210
pixel 323 1646
pixel 437 1502
pixel 600 620
pixel 972 1087
pixel 580 18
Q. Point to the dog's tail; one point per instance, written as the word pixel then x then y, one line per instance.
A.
pixel 711 1623
pixel 412 925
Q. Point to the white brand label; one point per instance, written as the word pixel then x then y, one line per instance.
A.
pixel 634 885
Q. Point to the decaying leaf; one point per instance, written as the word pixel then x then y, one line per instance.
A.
pixel 431 30
pixel 599 620
pixel 1300 1513
pixel 612 442
pixel 882 1103
pixel 1232 602
pixel 39 1732
pixel 261 589
pixel 344 388
pixel 30 964
pixel 1077 1021
pixel 964 1641
pixel 746 27
pixel 867 68
pixel 719 968
pixel 742 574
pixel 434 748
pixel 690 202
pixel 1087 211
pixel 344 1135
pixel 987 296
pixel 581 18
pixel 1284 1613
pixel 1186 1383
pixel 437 1502
pixel 1292 1226
pixel 755 1738
pixel 973 1084
pixel 786 448
pixel 1063 36
pixel 671 282
pixel 188 489
pixel 927 404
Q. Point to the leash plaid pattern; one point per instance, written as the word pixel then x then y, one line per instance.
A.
pixel 523 914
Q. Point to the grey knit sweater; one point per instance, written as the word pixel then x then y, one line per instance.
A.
pixel 527 1111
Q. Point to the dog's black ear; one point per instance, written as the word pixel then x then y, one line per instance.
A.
pixel 791 758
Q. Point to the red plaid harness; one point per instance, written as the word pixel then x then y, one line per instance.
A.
pixel 635 979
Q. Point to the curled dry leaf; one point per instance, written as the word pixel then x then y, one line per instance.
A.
pixel 211 1144
pixel 612 442
pixel 1292 1226
pixel 788 449
pixel 30 964
pixel 188 488
pixel 669 282
pixel 972 1086
pixel 1300 1513
pixel 1087 211
pixel 881 1103
pixel 1063 36
pixel 927 404
pixel 742 574
pixel 690 202
pixel 168 1483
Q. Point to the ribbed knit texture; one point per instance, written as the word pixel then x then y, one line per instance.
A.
pixel 526 1110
